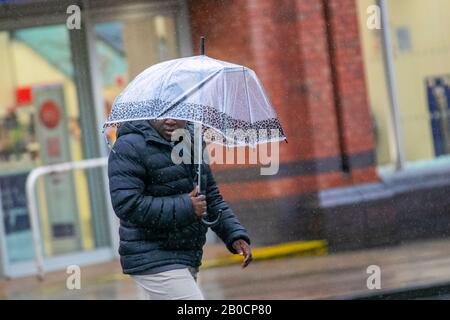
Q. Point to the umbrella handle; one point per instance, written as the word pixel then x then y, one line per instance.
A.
pixel 212 223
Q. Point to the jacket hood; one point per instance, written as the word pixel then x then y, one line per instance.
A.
pixel 144 128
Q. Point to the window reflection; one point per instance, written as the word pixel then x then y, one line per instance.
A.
pixel 126 47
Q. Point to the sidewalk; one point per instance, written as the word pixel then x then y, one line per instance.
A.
pixel 311 277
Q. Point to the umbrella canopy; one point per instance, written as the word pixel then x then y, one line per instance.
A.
pixel 226 97
pixel 223 96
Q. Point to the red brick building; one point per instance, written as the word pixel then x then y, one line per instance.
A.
pixel 309 56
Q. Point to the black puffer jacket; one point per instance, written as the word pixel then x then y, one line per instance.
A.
pixel 149 194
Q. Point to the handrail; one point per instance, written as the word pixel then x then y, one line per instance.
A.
pixel 32 203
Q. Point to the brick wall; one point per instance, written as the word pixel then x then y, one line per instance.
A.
pixel 350 93
pixel 307 54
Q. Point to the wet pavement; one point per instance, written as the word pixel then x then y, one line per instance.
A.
pixel 335 276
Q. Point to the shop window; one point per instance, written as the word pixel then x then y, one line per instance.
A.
pixel 421 49
pixel 39 125
pixel 126 47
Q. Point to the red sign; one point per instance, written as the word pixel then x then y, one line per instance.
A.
pixel 50 114
pixel 23 96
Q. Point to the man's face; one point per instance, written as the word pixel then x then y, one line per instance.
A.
pixel 166 127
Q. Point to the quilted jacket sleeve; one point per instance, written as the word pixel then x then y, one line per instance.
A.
pixel 127 173
pixel 229 229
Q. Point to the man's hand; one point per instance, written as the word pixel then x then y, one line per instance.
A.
pixel 243 248
pixel 199 202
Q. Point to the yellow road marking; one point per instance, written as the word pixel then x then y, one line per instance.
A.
pixel 297 248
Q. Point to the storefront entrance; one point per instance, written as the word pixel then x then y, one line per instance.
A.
pixel 57 87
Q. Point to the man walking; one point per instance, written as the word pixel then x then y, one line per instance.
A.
pixel 160 211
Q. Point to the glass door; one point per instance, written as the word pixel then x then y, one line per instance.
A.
pixel 56 88
pixel 39 126
pixel 125 47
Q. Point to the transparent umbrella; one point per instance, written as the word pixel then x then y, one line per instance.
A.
pixel 224 97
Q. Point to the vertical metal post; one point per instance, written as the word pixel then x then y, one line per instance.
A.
pixel 4 259
pixel 96 82
pixel 34 221
pixel 199 134
pixel 199 128
pixel 392 86
pixel 91 139
pixel 200 155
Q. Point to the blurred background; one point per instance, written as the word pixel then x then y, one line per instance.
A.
pixel 362 89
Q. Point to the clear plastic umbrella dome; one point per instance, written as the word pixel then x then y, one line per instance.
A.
pixel 226 97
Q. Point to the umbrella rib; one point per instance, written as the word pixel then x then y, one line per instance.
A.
pixel 177 65
pixel 246 94
pixel 266 99
pixel 188 92
pixel 224 83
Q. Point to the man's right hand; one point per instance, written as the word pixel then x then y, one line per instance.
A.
pixel 198 201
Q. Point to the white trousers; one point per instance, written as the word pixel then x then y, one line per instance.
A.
pixel 176 284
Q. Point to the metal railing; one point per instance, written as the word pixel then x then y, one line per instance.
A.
pixel 32 178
